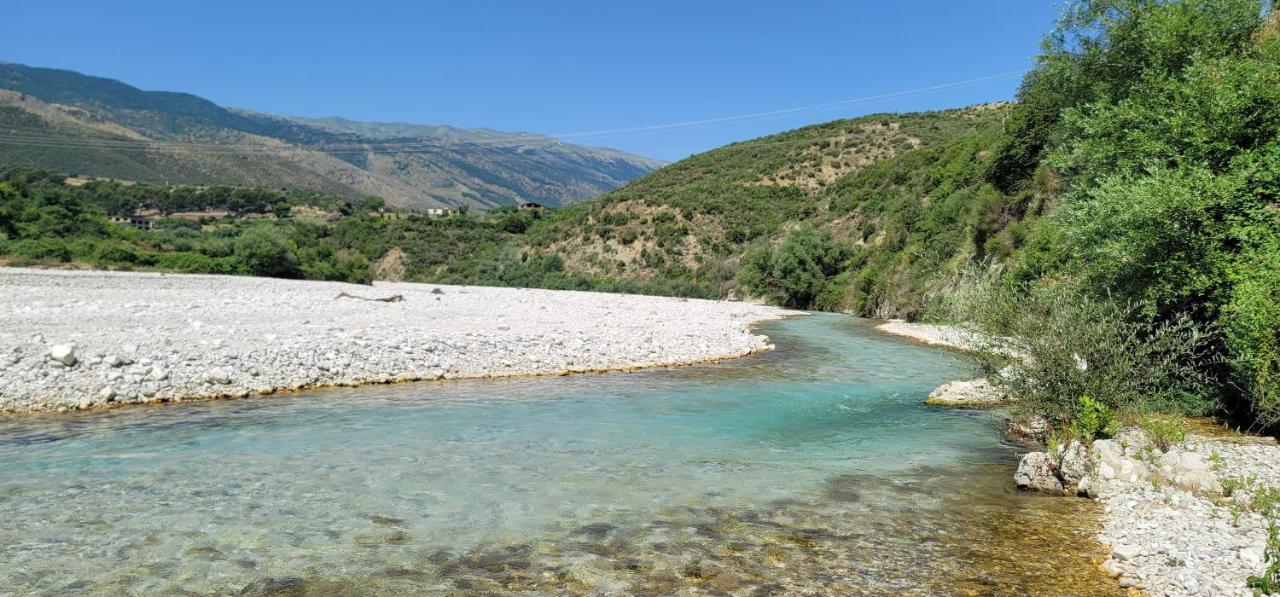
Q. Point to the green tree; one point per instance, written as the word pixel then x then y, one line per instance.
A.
pixel 265 252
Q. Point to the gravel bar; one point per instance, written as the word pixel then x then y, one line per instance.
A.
pixel 85 339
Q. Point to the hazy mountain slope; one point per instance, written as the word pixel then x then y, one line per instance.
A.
pixel 68 121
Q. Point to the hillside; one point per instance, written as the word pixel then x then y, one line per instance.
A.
pixel 899 195
pixel 66 121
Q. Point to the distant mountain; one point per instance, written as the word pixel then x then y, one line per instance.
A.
pixel 66 121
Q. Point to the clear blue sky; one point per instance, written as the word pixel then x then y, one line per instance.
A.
pixel 547 66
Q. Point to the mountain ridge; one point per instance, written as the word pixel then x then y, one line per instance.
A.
pixel 69 121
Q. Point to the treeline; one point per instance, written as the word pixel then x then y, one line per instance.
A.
pixel 122 199
pixel 44 220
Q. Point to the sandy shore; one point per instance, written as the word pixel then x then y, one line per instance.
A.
pixel 78 339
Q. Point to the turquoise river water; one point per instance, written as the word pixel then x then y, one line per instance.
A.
pixel 810 469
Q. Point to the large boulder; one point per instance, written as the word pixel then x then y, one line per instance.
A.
pixel 1189 471
pixel 1073 466
pixel 1036 472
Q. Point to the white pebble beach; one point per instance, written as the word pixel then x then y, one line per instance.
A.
pixel 83 339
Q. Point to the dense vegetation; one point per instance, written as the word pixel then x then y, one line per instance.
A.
pixel 1160 124
pixel 48 219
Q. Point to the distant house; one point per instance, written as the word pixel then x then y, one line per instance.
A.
pixel 441 211
pixel 135 221
pixel 530 205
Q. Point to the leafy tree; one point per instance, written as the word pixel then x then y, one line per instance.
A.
pixel 795 272
pixel 264 252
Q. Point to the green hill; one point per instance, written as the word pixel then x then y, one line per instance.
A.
pixel 898 198
pixel 66 121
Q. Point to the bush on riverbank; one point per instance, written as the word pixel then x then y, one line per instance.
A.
pixel 1052 345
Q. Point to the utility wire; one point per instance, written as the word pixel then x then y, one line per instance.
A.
pixel 44 138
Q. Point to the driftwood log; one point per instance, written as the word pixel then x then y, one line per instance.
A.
pixel 395 298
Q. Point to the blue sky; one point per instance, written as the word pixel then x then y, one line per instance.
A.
pixel 548 66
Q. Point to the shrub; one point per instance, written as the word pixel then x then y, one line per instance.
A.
pixel 1053 344
pixel 794 273
pixel 1252 330
pixel 1164 431
pixel 1092 420
pixel 265 252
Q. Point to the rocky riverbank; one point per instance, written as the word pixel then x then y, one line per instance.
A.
pixel 85 339
pixel 1180 519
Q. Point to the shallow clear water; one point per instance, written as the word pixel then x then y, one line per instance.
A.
pixel 811 468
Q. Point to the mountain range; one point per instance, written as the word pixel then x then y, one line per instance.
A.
pixel 92 126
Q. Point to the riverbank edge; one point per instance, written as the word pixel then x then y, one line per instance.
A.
pixel 93 340
pixel 1134 511
pixel 751 328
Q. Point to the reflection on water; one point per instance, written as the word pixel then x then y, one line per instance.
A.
pixel 810 469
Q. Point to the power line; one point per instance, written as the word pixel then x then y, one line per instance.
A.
pixel 42 137
pixel 785 111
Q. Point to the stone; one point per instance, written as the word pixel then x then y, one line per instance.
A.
pixel 1189 471
pixel 1073 465
pixel 1134 442
pixel 1085 487
pixel 107 393
pixel 158 374
pixel 1029 428
pixel 1036 473
pixel 1124 553
pixel 220 375
pixel 1116 468
pixel 972 393
pixel 115 361
pixel 63 353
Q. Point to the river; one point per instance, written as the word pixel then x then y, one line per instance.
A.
pixel 812 468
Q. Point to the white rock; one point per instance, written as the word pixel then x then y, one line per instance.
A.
pixel 1035 473
pixel 220 375
pixel 63 353
pixel 1124 553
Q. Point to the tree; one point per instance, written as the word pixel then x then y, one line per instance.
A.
pixel 264 252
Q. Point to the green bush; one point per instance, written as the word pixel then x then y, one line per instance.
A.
pixel 263 251
pixel 1092 420
pixel 1052 344
pixel 1252 329
pixel 1163 430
